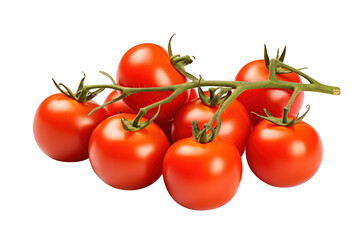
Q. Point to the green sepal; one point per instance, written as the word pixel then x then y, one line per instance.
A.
pixel 109 76
pixel 169 46
pixel 129 125
pixel 68 92
pixel 215 99
pixel 91 95
pixel 266 57
pixel 195 129
pixel 280 121
pixel 81 94
pixel 282 57
pixel 81 85
pixel 205 99
pixel 220 97
pixel 202 136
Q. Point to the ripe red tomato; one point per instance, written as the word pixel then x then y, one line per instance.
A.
pixel 148 65
pixel 193 95
pixel 284 156
pixel 235 122
pixel 62 129
pixel 202 176
pixel 127 159
pixel 166 127
pixel 274 100
pixel 116 107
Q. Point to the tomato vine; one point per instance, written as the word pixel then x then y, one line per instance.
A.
pixel 237 87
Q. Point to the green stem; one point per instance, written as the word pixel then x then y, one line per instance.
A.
pixel 288 105
pixel 225 104
pixel 239 87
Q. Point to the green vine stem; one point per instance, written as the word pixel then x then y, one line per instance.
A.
pixel 84 93
pixel 238 87
pixel 229 91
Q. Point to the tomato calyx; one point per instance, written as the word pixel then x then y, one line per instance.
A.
pixel 203 135
pixel 214 99
pixel 82 94
pixel 136 125
pixel 284 121
pixel 280 58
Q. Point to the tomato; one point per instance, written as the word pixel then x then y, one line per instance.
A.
pixel 62 128
pixel 116 107
pixel 235 122
pixel 127 159
pixel 166 127
pixel 148 65
pixel 193 95
pixel 202 176
pixel 284 156
pixel 274 100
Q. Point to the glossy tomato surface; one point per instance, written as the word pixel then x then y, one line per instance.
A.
pixel 284 156
pixel 274 100
pixel 166 126
pixel 148 65
pixel 116 107
pixel 62 128
pixel 202 176
pixel 235 122
pixel 127 159
pixel 193 95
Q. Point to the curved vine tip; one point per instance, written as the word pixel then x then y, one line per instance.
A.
pixel 179 62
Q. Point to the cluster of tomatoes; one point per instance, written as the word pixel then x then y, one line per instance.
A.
pixel 197 175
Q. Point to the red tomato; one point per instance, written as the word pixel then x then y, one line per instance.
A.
pixel 166 127
pixel 284 156
pixel 274 100
pixel 116 107
pixel 127 159
pixel 193 95
pixel 235 122
pixel 62 129
pixel 148 65
pixel 202 176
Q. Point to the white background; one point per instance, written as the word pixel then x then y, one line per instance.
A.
pixel 45 199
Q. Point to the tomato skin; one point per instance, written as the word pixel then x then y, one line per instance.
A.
pixel 274 100
pixel 202 176
pixel 148 65
pixel 116 107
pixel 166 128
pixel 284 156
pixel 235 122
pixel 62 129
pixel 193 95
pixel 127 160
